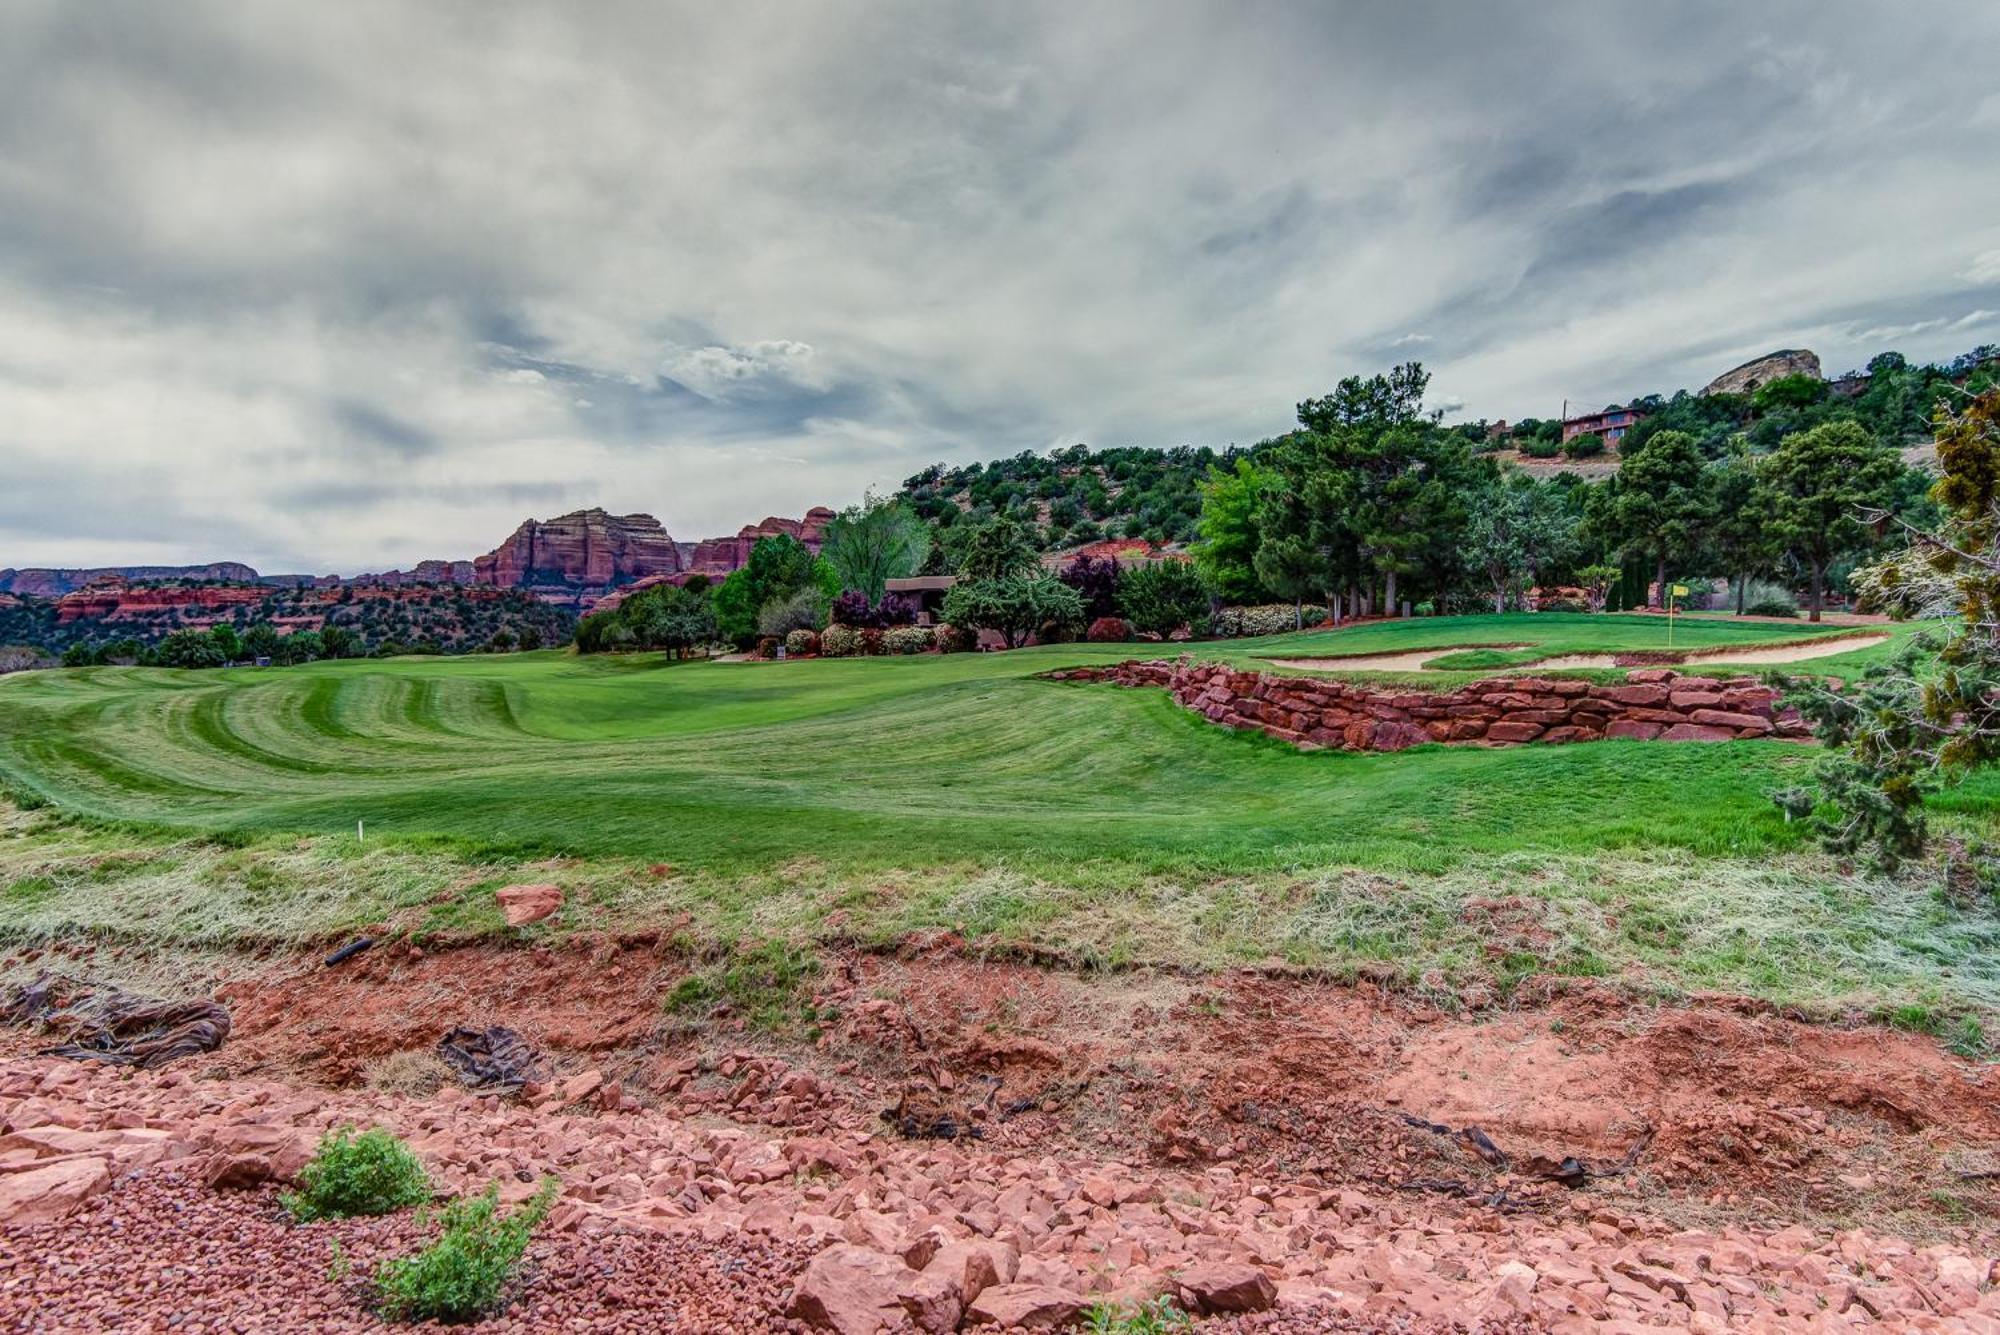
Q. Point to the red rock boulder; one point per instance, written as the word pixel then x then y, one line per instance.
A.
pixel 524 904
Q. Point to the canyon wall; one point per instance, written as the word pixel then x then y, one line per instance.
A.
pixel 578 555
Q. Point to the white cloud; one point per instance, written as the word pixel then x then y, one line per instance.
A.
pixel 718 371
pixel 277 279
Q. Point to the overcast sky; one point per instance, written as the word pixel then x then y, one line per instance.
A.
pixel 344 286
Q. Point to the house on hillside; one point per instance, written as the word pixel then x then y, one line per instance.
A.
pixel 927 592
pixel 1611 425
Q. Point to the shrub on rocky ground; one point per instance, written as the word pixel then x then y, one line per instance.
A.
pixel 367 1174
pixel 464 1274
pixel 1157 1317
pixel 956 639
pixel 1109 630
pixel 907 639
pixel 840 642
pixel 801 643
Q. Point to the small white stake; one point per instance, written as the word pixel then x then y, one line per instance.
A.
pixel 360 836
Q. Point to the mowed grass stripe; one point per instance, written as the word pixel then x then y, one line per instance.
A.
pixel 860 763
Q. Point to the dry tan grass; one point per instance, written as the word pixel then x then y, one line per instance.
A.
pixel 415 1071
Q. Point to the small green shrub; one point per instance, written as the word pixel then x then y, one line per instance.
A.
pixel 907 639
pixel 801 644
pixel 1537 448
pixel 366 1174
pixel 1583 446
pixel 1772 608
pixel 1149 1318
pixel 839 642
pixel 464 1274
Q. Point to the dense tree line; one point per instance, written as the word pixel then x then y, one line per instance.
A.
pixel 1372 503
pixel 444 619
pixel 1068 497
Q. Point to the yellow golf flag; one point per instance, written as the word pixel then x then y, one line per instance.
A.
pixel 1680 590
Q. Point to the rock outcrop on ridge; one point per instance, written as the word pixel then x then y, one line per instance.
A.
pixel 577 556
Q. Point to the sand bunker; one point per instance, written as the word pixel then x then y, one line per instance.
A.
pixel 1413 661
pixel 1420 659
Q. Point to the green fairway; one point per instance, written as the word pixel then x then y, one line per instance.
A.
pixel 876 797
pixel 871 762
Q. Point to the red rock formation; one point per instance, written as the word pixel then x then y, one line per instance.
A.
pixel 424 572
pixel 578 555
pixel 716 557
pixel 115 600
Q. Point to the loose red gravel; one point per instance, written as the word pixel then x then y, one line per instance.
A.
pixel 160 1253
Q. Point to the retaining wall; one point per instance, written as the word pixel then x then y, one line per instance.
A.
pixel 1317 713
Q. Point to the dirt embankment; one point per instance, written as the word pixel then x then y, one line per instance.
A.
pixel 1580 1157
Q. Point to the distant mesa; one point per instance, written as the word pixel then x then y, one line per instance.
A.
pixel 1747 378
pixel 43 583
pixel 423 572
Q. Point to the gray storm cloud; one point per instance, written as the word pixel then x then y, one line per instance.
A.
pixel 343 287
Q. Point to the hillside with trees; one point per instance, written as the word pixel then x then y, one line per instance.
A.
pixel 1071 496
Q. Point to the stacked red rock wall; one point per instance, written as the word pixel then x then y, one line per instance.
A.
pixel 1315 712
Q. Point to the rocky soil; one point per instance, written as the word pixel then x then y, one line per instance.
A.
pixel 1277 1155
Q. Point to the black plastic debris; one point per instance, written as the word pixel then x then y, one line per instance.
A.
pixel 121 1028
pixel 495 1059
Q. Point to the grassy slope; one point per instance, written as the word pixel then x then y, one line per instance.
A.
pixel 884 796
pixel 886 762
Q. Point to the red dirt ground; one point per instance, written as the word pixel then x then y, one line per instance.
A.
pixel 1737 1107
pixel 1580 1160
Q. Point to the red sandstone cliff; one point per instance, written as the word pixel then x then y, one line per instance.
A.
pixel 579 554
pixel 115 600
pixel 716 557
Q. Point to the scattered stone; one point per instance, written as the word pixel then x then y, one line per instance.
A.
pixel 1216 1288
pixel 1026 1307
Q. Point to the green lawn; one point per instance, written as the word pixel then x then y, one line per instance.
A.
pixel 897 794
pixel 1554 633
pixel 875 762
